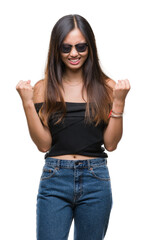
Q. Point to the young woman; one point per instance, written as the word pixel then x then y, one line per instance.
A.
pixel 79 109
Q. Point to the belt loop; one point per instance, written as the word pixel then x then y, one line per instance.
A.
pixel 58 164
pixel 88 163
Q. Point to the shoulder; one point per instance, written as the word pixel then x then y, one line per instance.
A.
pixel 39 90
pixel 110 82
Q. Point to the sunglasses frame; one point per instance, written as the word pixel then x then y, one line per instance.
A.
pixel 76 46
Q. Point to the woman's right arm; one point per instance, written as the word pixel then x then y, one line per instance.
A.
pixel 40 134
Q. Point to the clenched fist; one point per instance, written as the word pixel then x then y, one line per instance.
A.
pixel 25 91
pixel 120 90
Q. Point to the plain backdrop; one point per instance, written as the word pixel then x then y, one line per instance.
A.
pixel 119 27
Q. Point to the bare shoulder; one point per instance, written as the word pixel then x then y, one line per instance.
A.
pixel 110 82
pixel 39 89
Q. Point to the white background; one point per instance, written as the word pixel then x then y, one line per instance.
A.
pixel 119 27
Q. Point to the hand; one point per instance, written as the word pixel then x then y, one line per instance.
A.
pixel 25 91
pixel 120 90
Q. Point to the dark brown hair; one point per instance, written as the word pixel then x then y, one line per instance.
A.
pixel 95 80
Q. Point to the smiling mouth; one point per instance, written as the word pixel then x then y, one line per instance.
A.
pixel 74 61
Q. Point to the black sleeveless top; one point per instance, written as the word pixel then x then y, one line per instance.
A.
pixel 73 135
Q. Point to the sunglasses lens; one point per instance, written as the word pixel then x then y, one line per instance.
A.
pixel 65 48
pixel 81 47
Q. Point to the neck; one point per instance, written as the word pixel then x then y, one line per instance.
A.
pixel 73 76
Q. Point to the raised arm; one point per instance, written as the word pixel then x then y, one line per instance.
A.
pixel 40 134
pixel 114 130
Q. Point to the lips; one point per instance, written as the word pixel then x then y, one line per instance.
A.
pixel 74 61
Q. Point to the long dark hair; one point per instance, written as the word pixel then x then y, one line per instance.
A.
pixel 94 79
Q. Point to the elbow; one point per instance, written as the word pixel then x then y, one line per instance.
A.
pixel 110 148
pixel 41 149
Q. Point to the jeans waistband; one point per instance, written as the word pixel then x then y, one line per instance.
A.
pixel 87 163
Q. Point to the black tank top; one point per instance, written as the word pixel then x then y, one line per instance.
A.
pixel 73 135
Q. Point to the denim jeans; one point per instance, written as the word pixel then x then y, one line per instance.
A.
pixel 74 189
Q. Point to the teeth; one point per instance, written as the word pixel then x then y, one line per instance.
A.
pixel 74 60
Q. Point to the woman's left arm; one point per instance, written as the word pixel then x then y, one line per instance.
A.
pixel 114 130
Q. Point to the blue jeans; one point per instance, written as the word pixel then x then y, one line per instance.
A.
pixel 74 189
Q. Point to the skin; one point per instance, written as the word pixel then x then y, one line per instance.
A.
pixel 72 82
pixel 73 79
pixel 72 71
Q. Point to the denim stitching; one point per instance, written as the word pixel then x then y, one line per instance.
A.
pixel 92 171
pixel 102 179
pixel 44 178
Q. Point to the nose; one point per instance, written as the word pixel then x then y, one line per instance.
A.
pixel 73 52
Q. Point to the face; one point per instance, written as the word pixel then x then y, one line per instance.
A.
pixel 74 59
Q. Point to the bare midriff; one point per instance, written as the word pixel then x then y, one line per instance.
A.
pixel 73 157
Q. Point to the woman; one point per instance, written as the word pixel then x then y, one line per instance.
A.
pixel 79 109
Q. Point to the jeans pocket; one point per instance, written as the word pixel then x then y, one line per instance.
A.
pixel 48 172
pixel 100 172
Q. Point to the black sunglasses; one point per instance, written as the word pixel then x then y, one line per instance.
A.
pixel 80 47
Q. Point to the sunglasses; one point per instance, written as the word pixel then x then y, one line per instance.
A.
pixel 80 47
